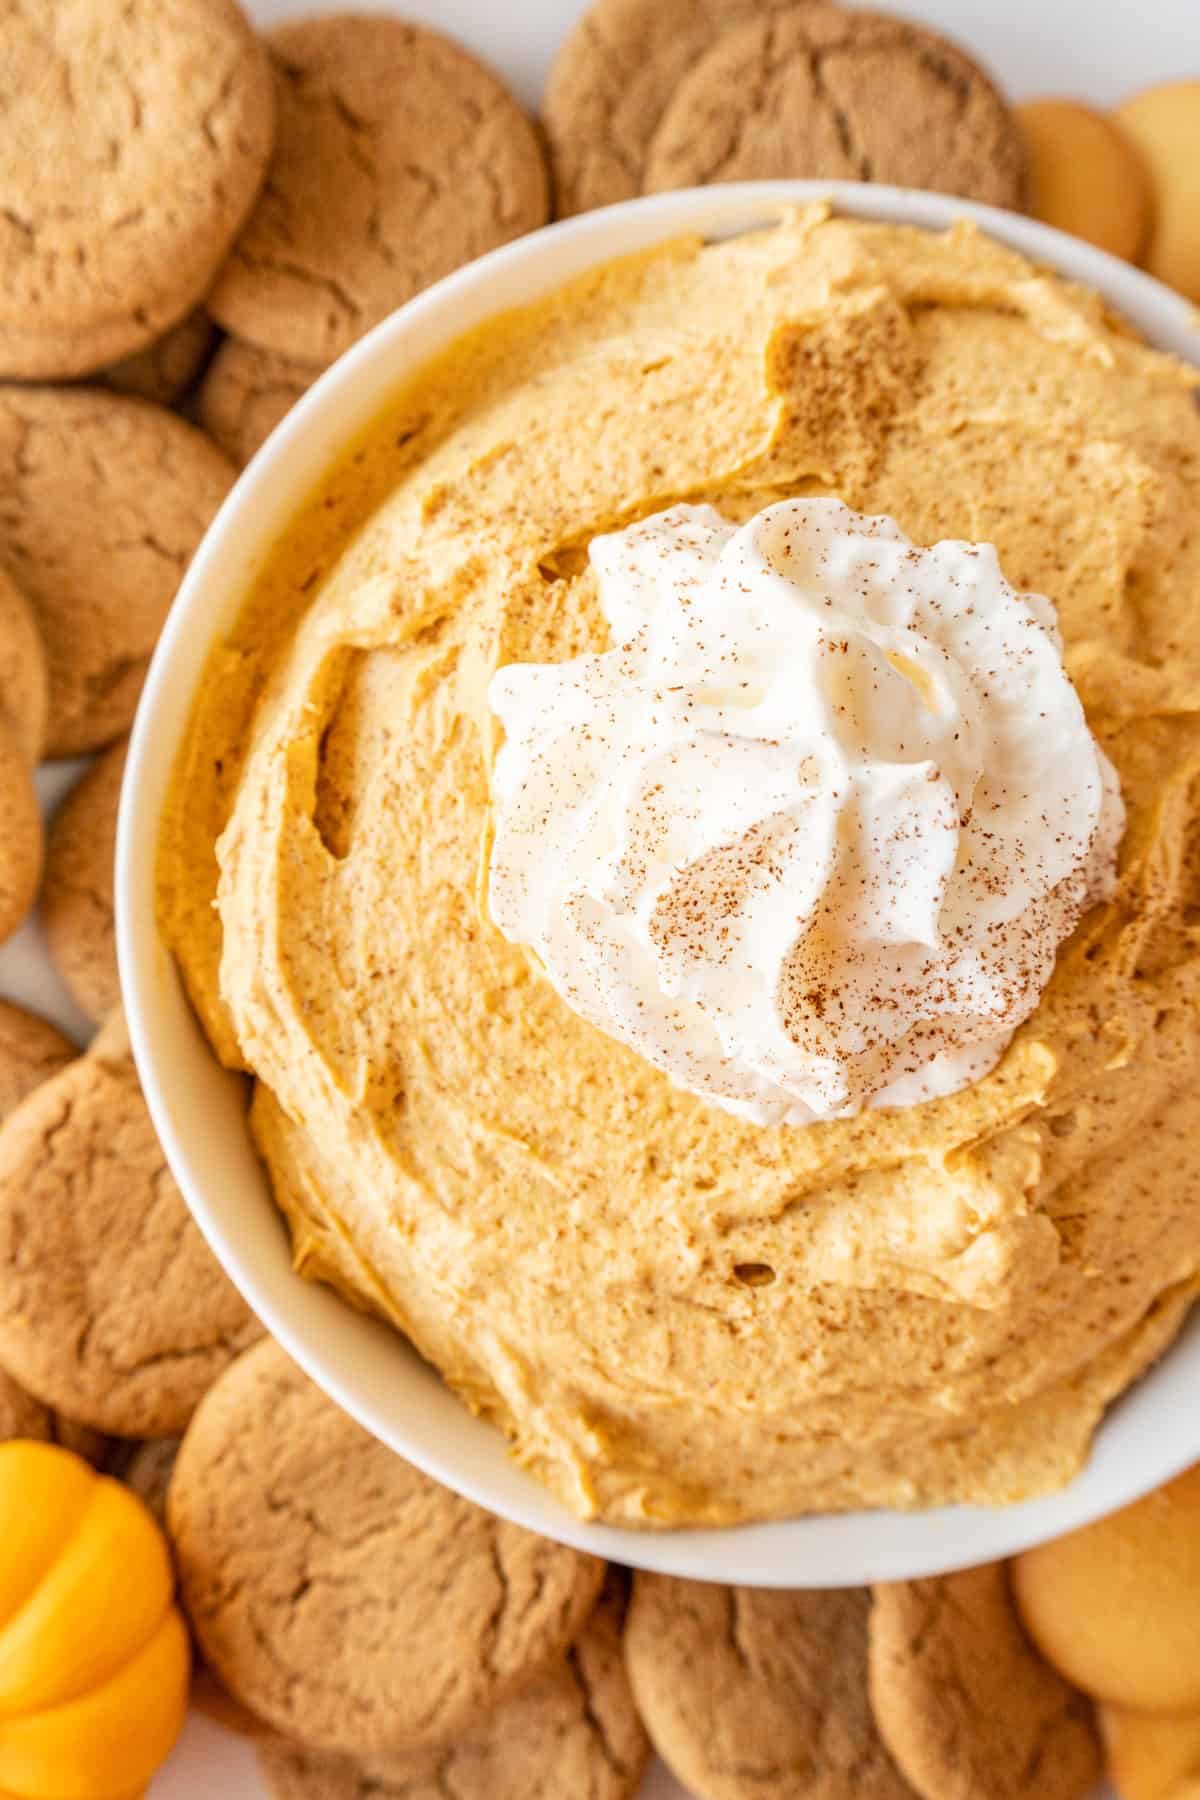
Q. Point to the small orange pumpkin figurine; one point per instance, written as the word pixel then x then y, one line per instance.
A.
pixel 94 1656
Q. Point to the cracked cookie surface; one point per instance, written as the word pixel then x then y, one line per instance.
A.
pixel 854 96
pixel 966 1705
pixel 758 1694
pixel 31 1051
pixel 112 1306
pixel 612 81
pixel 343 1596
pixel 76 903
pixel 21 845
pixel 135 142
pixel 398 157
pixel 103 499
pixel 246 392
pixel 24 680
pixel 574 1732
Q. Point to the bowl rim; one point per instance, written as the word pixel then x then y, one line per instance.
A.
pixel 1145 1437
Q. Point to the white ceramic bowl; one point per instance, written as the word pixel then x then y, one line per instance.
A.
pixel 199 1110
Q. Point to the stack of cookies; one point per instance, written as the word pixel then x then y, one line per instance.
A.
pixel 167 172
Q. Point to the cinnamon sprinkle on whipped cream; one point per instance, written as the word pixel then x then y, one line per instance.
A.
pixel 809 835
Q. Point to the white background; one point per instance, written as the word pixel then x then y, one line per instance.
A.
pixel 1092 48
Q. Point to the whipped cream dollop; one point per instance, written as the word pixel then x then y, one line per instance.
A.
pixel 809 835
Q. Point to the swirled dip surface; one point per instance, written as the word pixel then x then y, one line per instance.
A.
pixel 679 1315
pixel 809 836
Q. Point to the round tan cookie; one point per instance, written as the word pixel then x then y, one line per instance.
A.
pixel 76 903
pixel 749 1692
pixel 574 1735
pixel 967 1708
pixel 1116 1606
pixel 31 1050
pixel 24 678
pixel 102 502
pixel 849 95
pixel 245 394
pixel 135 140
pixel 399 156
pixel 1086 176
pixel 392 1612
pixel 166 368
pixel 613 79
pixel 21 1416
pixel 1164 123
pixel 20 836
pixel 112 1306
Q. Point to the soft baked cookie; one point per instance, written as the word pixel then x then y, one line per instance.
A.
pixel 103 499
pixel 574 1735
pixel 1086 176
pixel 849 95
pixel 1164 123
pixel 398 157
pixel 24 679
pixel 31 1050
pixel 967 1708
pixel 76 902
pixel 21 847
pixel 613 79
pixel 135 141
pixel 1116 1606
pixel 1151 1758
pixel 340 1594
pixel 166 368
pixel 246 391
pixel 750 1692
pixel 112 1306
pixel 646 96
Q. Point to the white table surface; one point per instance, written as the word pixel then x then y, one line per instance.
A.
pixel 1079 47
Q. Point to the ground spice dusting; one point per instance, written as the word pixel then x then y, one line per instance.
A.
pixel 750 841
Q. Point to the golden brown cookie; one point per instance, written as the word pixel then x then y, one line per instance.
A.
pixel 102 502
pixel 21 1416
pixel 20 836
pixel 613 79
pixel 1151 1758
pixel 1164 123
pixel 24 678
pixel 166 368
pixel 1116 1606
pixel 966 1706
pixel 76 903
pixel 398 157
pixel 1086 176
pixel 135 140
pixel 653 94
pixel 245 393
pixel 340 1594
pixel 574 1735
pixel 31 1050
pixel 112 1306
pixel 847 95
pixel 750 1692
